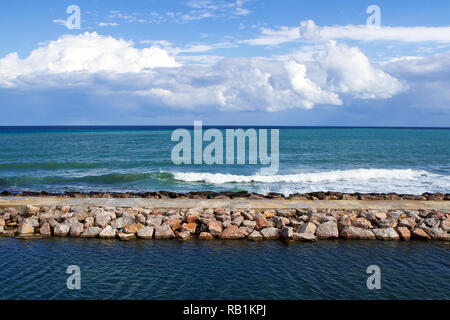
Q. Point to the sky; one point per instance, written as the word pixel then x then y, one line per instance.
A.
pixel 240 62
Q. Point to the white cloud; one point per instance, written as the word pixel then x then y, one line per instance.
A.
pixel 107 68
pixel 308 30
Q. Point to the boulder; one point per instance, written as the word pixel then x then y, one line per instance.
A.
pixel 269 213
pixel 45 230
pixel 214 227
pixel 261 223
pixel 286 233
pixel 126 236
pixel 153 221
pixel 305 236
pixel 146 232
pixel 61 229
pixel 107 233
pixel 432 222
pixel 91 232
pixel 184 235
pixel 164 232
pixel 327 230
pixel 205 236
pixel 420 234
pixel 438 234
pixel 238 220
pixel 76 229
pixel 249 224
pixel 445 225
pixel 189 227
pixel 25 228
pixel 270 233
pixel 409 223
pixel 255 236
pixel 120 223
pixel 32 210
pixel 232 232
pixel 362 223
pixel 308 227
pixel 133 228
pixel 102 219
pixel 2 222
pixel 351 232
pixel 192 219
pixel 175 224
pixel 386 234
pixel 404 233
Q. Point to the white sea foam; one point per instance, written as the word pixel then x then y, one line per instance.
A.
pixel 355 180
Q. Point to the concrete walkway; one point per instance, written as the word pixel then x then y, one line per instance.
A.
pixel 6 202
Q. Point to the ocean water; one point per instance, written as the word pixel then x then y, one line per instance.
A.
pixel 139 159
pixel 166 269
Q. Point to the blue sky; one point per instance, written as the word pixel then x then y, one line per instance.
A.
pixel 249 62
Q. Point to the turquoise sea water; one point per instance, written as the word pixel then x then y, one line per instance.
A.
pixel 311 159
pixel 165 269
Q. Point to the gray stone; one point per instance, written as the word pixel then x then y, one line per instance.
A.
pixel 270 233
pixel 146 232
pixel 432 222
pixel 445 225
pixel 351 232
pixel 76 229
pixel 107 233
pixel 286 233
pixel 164 232
pixel 304 237
pixel 255 236
pixel 153 221
pixel 386 234
pixel 61 229
pixel 91 232
pixel 238 220
pixel 126 236
pixel 438 234
pixel 102 219
pixel 308 227
pixel 327 230
pixel 184 235
pixel 362 223
pixel 25 228
pixel 410 223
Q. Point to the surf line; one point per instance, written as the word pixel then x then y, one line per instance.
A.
pixel 235 144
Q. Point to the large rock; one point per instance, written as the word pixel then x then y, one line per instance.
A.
pixel 305 236
pixel 121 222
pixel 327 230
pixel 362 223
pixel 32 210
pixel 238 220
pixel 76 229
pixel 153 221
pixel 133 228
pixel 445 225
pixel 61 230
pixel 214 227
pixel 261 223
pixel 164 232
pixel 102 219
pixel 286 233
pixel 232 232
pixel 255 236
pixel 205 236
pixel 184 235
pixel 308 227
pixel 91 232
pixel 404 233
pixel 409 223
pixel 351 232
pixel 107 233
pixel 432 222
pixel 25 228
pixel 126 236
pixel 270 233
pixel 45 230
pixel 146 232
pixel 175 224
pixel 438 234
pixel 386 234
pixel 2 222
pixel 419 234
pixel 189 227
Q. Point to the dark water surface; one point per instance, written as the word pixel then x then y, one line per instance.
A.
pixel 166 269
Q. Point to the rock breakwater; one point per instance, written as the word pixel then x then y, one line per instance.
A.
pixel 220 223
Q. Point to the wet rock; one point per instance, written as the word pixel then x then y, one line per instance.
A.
pixel 270 233
pixel 107 233
pixel 419 234
pixel 126 236
pixel 362 223
pixel 409 223
pixel 304 237
pixel 146 232
pixel 76 229
pixel 61 230
pixel 386 234
pixel 214 227
pixel 91 232
pixel 102 219
pixel 308 227
pixel 164 232
pixel 286 233
pixel 184 235
pixel 255 236
pixel 327 230
pixel 205 236
pixel 232 232
pixel 351 232
pixel 404 233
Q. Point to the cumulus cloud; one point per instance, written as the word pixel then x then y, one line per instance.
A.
pixel 107 67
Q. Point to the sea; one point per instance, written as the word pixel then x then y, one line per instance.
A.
pixel 138 159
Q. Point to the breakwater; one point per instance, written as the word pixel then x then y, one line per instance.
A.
pixel 291 224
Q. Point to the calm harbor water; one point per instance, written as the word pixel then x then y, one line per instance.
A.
pixel 36 269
